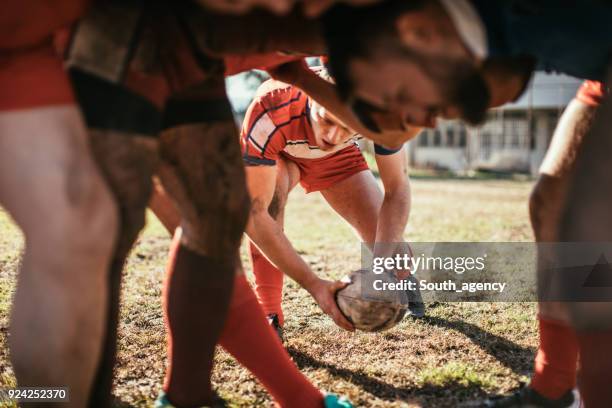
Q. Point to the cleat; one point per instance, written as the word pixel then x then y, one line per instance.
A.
pixel 416 310
pixel 162 402
pixel 526 397
pixel 275 323
pixel 334 401
pixel 416 307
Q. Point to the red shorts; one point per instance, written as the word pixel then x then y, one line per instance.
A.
pixel 592 93
pixel 151 75
pixel 320 174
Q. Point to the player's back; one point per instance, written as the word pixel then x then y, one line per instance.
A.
pixel 281 101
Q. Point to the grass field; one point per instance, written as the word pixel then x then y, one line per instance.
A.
pixel 460 352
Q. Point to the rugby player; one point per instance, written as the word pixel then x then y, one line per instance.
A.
pixel 589 221
pixel 262 354
pixel 51 186
pixel 287 138
pixel 162 74
pixel 556 361
pixel 148 79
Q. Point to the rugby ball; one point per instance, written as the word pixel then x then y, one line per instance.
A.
pixel 368 309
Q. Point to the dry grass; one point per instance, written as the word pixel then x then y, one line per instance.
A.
pixel 458 353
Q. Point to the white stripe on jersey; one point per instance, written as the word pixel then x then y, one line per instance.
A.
pixel 300 149
pixel 261 131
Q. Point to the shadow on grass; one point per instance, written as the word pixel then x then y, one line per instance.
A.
pixel 452 392
pixel 517 358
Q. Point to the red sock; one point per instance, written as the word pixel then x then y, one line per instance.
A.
pixel 555 363
pixel 268 283
pixel 197 293
pixel 249 338
pixel 596 369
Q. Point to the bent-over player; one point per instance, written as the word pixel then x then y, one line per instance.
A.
pixel 288 138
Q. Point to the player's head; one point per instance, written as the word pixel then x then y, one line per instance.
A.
pixel 328 130
pixel 404 56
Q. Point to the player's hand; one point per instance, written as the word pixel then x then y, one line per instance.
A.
pixel 324 292
pixel 279 7
pixel 404 248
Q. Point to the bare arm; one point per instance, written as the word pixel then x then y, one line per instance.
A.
pixel 296 73
pixel 395 209
pixel 257 32
pixel 394 212
pixel 268 235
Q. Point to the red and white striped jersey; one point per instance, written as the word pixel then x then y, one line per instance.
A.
pixel 278 123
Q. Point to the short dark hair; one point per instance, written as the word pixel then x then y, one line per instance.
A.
pixel 352 32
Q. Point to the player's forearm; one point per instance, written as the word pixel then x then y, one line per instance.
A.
pixel 269 237
pixel 393 217
pixel 259 32
pixel 325 94
pixel 392 221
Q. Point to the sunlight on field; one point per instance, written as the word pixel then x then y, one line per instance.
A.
pixel 459 352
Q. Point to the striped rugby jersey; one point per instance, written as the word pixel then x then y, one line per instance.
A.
pixel 278 123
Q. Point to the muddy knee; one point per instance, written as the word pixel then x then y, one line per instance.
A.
pixel 128 162
pixel 202 171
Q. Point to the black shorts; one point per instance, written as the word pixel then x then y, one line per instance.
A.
pixel 138 67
